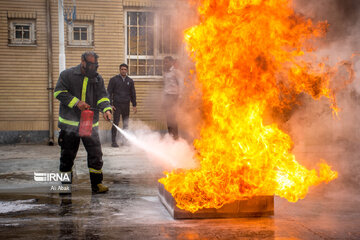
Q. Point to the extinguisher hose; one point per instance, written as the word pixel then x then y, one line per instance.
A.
pixel 98 109
pixel 119 129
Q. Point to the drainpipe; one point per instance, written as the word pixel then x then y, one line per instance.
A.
pixel 50 72
pixel 61 37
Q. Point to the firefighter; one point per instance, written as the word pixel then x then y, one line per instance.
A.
pixel 121 91
pixel 77 89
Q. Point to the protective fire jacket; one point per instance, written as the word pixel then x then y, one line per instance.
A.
pixel 72 87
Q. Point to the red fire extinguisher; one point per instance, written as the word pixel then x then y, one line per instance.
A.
pixel 86 122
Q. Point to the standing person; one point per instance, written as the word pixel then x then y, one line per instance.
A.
pixel 77 89
pixel 121 89
pixel 173 84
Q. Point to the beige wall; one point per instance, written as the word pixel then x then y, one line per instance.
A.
pixel 23 70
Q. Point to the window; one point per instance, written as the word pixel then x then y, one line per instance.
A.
pixel 80 34
pixel 22 32
pixel 169 37
pixel 149 37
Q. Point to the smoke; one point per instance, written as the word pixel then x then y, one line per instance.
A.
pixel 161 150
pixel 343 17
pixel 315 132
pixel 339 13
pixel 189 111
pixel 189 115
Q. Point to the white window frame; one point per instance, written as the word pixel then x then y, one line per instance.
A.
pixel 157 55
pixel 79 43
pixel 13 41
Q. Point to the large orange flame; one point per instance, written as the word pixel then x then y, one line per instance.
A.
pixel 250 55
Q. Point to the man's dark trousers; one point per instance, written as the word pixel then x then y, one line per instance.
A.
pixel 122 109
pixel 69 143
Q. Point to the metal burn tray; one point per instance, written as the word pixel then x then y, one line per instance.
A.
pixel 258 206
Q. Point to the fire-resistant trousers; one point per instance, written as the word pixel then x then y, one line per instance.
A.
pixel 69 143
pixel 122 109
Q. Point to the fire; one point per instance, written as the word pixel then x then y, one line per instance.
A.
pixel 250 55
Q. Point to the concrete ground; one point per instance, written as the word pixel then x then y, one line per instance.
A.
pixel 132 210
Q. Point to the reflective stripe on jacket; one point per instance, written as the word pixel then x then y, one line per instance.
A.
pixel 72 87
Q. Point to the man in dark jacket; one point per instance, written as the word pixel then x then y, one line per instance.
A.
pixel 121 90
pixel 77 89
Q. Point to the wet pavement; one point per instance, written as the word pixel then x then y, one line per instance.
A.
pixel 132 210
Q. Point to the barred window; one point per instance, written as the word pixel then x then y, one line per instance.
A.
pixel 80 34
pixel 169 39
pixel 150 37
pixel 22 32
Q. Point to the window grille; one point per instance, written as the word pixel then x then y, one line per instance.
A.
pixel 149 37
pixel 22 32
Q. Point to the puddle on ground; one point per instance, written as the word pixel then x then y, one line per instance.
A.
pixel 19 206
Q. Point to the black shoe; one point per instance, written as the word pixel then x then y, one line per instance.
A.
pixel 114 144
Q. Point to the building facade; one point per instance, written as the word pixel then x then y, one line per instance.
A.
pixel 137 32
